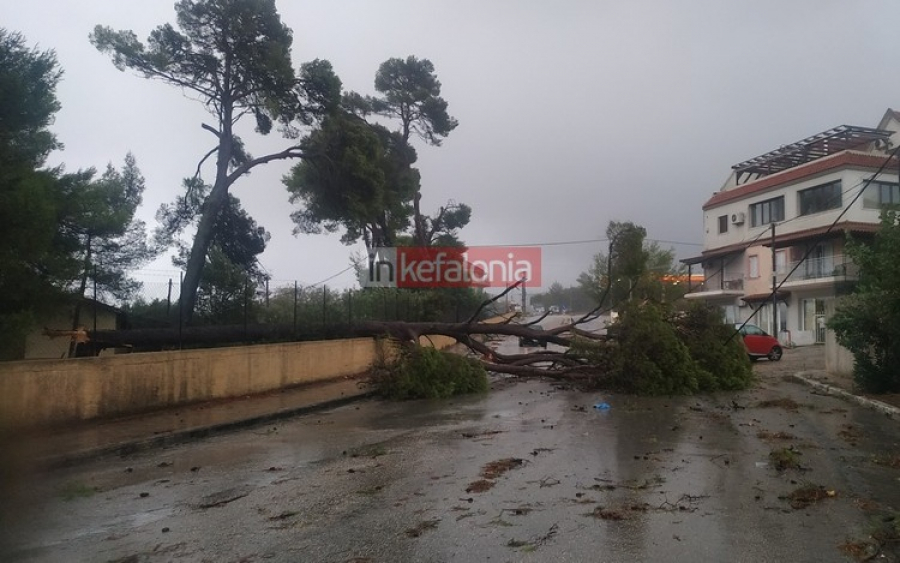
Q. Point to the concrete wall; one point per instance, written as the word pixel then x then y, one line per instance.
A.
pixel 46 392
pixel 837 358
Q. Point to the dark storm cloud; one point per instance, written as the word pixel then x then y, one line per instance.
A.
pixel 571 113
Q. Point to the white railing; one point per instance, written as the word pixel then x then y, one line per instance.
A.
pixel 836 265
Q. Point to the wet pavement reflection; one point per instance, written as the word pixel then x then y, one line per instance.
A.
pixel 530 472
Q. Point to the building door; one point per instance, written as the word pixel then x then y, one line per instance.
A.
pixel 813 319
pixel 820 321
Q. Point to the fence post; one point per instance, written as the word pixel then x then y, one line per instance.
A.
pixel 295 308
pixel 350 307
pixel 95 299
pixel 324 307
pixel 180 309
pixel 246 307
pixel 169 302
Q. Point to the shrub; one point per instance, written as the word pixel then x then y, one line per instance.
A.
pixel 427 373
pixel 657 352
pixel 868 322
pixel 715 348
pixel 650 358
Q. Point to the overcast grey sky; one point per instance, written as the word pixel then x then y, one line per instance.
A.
pixel 572 113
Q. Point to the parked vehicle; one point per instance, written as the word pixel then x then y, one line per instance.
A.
pixel 759 343
pixel 527 341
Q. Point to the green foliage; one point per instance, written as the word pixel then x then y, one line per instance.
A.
pixel 722 358
pixel 427 373
pixel 234 57
pixel 411 92
pixel 28 80
pixel 357 177
pixel 633 268
pixel 654 351
pixel 237 50
pixel 35 260
pixel 99 219
pixel 651 359
pixel 315 307
pixel 867 322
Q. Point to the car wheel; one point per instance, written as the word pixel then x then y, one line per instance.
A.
pixel 775 354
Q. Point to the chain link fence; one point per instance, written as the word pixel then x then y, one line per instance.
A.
pixel 241 313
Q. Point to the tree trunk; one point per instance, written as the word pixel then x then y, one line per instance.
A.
pixel 419 221
pixel 206 228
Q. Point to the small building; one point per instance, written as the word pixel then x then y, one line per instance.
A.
pixel 781 220
pixel 53 335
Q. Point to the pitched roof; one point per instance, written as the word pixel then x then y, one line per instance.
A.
pixel 767 183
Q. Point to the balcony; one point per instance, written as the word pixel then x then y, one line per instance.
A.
pixel 820 271
pixel 713 290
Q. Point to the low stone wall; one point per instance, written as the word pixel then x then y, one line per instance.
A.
pixel 47 392
pixel 838 359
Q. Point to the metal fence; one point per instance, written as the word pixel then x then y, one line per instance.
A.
pixel 241 313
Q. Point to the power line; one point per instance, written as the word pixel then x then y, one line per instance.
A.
pixel 576 242
pixel 863 183
pixel 329 278
pixel 820 238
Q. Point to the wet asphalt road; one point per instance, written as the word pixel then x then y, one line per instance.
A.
pixel 649 479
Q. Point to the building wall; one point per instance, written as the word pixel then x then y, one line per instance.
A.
pixel 837 358
pixel 40 346
pixel 737 234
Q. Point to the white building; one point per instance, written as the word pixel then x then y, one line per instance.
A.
pixel 776 209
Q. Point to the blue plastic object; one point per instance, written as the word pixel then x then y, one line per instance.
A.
pixel 601 406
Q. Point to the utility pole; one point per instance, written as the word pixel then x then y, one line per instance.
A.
pixel 524 305
pixel 774 287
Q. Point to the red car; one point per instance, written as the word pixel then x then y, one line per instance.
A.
pixel 759 343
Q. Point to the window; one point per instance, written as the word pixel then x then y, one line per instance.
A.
pixel 766 212
pixel 753 330
pixel 879 194
pixel 820 198
pixel 753 266
pixel 780 261
pixel 723 224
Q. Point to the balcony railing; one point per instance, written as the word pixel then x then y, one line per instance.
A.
pixel 835 266
pixel 735 284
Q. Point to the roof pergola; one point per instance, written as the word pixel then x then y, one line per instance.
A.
pixel 823 144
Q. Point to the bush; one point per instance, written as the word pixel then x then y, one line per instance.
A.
pixel 868 322
pixel 867 325
pixel 657 352
pixel 427 373
pixel 715 348
pixel 650 358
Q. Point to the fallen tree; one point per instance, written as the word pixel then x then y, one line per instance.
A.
pixel 652 349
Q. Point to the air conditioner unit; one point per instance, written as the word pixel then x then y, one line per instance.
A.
pixel 737 218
